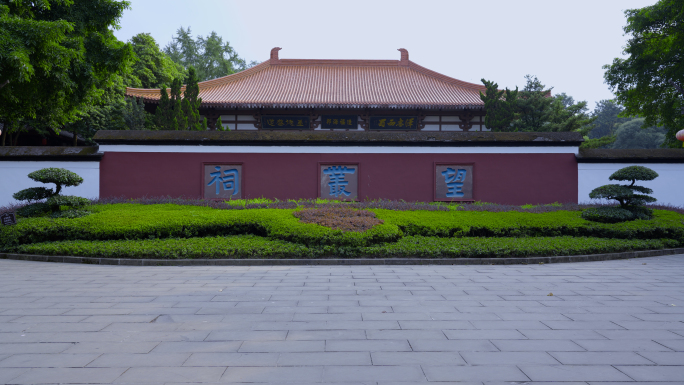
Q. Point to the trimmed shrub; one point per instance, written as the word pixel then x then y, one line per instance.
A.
pixel 607 214
pixel 58 176
pixel 54 202
pixel 631 197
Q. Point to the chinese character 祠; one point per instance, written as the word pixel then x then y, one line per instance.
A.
pixel 229 180
pixel 454 181
pixel 337 183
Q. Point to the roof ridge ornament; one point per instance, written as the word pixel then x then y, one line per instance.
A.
pixel 404 57
pixel 274 55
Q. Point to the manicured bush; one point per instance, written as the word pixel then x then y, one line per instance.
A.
pixel 54 202
pixel 631 197
pixel 608 214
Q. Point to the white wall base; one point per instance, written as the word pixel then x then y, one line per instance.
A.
pixel 668 188
pixel 13 177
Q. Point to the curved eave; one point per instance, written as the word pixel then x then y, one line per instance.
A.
pixel 222 105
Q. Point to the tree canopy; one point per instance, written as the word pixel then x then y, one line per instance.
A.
pixel 56 57
pixel 533 109
pixel 152 66
pixel 210 56
pixel 650 82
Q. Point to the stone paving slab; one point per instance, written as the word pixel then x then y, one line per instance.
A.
pixel 611 322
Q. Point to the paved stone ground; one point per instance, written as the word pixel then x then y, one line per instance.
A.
pixel 606 323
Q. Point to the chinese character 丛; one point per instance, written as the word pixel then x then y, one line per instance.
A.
pixel 229 181
pixel 454 181
pixel 337 183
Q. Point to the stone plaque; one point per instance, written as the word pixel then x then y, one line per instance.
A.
pixel 222 181
pixel 8 219
pixel 340 182
pixel 454 182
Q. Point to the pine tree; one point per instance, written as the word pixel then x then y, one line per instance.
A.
pixel 179 120
pixel 219 125
pixel 500 109
pixel 192 101
pixel 163 113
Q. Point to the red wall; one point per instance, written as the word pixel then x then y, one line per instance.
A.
pixel 500 178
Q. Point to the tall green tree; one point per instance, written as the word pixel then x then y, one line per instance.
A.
pixel 631 134
pixel 210 56
pixel 568 116
pixel 191 103
pixel 500 106
pixel 607 118
pixel 152 67
pixel 533 105
pixel 56 57
pixel 650 82
pixel 533 109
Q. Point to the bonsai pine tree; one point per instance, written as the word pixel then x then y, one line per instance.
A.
pixel 53 201
pixel 631 197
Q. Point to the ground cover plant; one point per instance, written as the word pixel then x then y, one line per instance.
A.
pixel 175 228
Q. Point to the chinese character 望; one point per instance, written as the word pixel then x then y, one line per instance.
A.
pixel 454 181
pixel 337 183
pixel 229 180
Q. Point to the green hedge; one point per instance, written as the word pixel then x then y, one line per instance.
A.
pixel 435 247
pixel 237 246
pixel 665 224
pixel 133 221
pixel 250 246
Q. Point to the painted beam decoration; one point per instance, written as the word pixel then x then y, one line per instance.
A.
pixel 222 181
pixel 340 121
pixel 393 123
pixel 339 181
pixel 454 182
pixel 285 122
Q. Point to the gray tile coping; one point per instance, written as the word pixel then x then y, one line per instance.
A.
pixel 608 322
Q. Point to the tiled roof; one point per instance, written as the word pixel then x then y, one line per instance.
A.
pixel 295 83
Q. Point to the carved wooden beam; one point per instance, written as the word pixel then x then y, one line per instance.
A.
pixel 257 118
pixel 313 122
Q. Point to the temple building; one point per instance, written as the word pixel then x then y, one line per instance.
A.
pixel 348 95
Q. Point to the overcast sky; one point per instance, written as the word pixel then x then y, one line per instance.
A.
pixel 563 43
